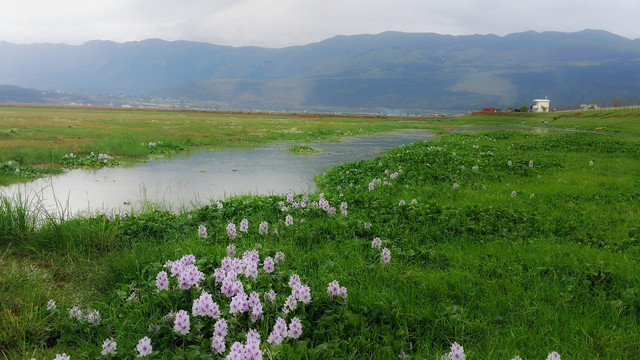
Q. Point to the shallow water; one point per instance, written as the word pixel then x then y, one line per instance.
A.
pixel 201 177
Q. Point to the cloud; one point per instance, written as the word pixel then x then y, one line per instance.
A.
pixel 278 23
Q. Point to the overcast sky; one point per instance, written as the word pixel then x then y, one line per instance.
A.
pixel 280 23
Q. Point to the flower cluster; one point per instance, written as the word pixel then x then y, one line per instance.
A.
pixel 334 289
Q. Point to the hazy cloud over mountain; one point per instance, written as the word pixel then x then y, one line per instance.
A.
pixel 279 23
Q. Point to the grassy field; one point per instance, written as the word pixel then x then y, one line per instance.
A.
pixel 509 242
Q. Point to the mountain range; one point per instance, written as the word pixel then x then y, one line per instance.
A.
pixel 391 70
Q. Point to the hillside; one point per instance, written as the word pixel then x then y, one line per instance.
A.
pixel 389 70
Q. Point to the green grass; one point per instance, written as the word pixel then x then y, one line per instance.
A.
pixel 551 267
pixel 303 149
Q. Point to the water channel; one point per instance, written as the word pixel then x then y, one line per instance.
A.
pixel 198 178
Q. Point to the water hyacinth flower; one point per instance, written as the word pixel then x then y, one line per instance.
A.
pixel 219 205
pixel 93 317
pixel 162 281
pixel 202 231
pixel 205 306
pixel 268 265
pixel 217 345
pixel 270 296
pixel 231 230
pixel 295 328
pixel 334 289
pixel 244 225
pixel 590 162
pixel 109 347
pixel 263 228
pixel 64 356
pixel 401 203
pixel 386 256
pixel 144 347
pixel 414 201
pixel 553 356
pixel 288 221
pixel 457 352
pixel 189 276
pixel 231 250
pixel 530 163
pixel 278 333
pixel 75 313
pixel 367 226
pixel 455 186
pixel 51 305
pixel 509 163
pixel 532 195
pixel 236 352
pixel 513 194
pixel 220 328
pixel 182 324
pixel 376 243
pixel 290 198
pixel 279 257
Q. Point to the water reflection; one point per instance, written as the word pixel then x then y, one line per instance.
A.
pixel 190 180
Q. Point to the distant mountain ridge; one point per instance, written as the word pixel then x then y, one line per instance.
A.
pixel 389 70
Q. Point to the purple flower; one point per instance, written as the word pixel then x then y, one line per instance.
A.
pixel 268 265
pixel 75 313
pixel 217 345
pixel 288 221
pixel 93 317
pixel 231 249
pixel 202 231
pixel 189 276
pixel 220 328
pixel 263 228
pixel 278 333
pixel 51 305
pixel 270 296
pixel 109 347
pixel 244 225
pixel 303 293
pixel 457 352
pixel 289 197
pixel 513 194
pixel 62 357
pixel 295 328
pixel 236 352
pixel 238 303
pixel 334 289
pixel 290 304
pixel 553 356
pixel 256 312
pixel 253 337
pixel 251 270
pixel 530 163
pixel 386 256
pixel 144 347
pixel 376 243
pixel 231 230
pixel 279 257
pixel 204 306
pixel 182 324
pixel 162 281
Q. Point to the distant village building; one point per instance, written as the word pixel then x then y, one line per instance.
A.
pixel 588 106
pixel 540 105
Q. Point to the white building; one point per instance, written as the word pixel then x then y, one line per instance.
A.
pixel 540 105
